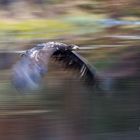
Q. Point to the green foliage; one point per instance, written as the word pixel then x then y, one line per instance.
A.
pixel 35 28
pixel 50 28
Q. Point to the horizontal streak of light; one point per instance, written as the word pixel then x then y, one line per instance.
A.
pixel 24 112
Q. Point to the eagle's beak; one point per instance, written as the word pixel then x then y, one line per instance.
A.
pixel 75 47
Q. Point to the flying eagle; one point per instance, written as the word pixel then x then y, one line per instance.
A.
pixel 28 72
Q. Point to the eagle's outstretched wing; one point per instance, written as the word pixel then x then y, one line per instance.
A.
pixel 72 60
pixel 33 64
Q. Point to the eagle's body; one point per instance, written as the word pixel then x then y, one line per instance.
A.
pixel 28 72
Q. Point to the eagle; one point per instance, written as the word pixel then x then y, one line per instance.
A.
pixel 28 72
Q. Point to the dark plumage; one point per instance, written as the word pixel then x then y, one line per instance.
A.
pixel 33 64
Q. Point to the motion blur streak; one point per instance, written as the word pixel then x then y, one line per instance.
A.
pixel 65 108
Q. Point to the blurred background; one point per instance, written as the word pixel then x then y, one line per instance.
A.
pixel 65 108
